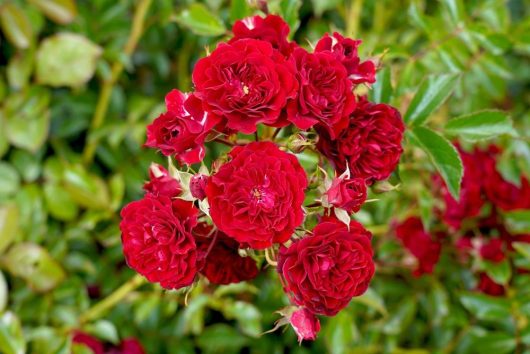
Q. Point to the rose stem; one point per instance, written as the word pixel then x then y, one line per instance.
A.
pixel 223 141
pixel 276 132
pixel 108 84
pixel 110 301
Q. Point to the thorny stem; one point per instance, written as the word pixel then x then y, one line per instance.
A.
pixel 108 84
pixel 110 301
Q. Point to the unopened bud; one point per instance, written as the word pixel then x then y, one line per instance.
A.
pixel 297 143
pixel 198 186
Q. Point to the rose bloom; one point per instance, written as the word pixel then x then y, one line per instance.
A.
pixel 157 240
pixel 246 82
pixel 198 186
pixel 325 94
pixel 502 193
pixel 471 199
pixel 182 130
pixel 346 51
pixel 324 271
pixel 88 341
pixel 347 194
pixel 370 145
pixel 161 183
pixel 220 262
pixel 256 198
pixel 492 250
pixel 488 286
pixel 272 29
pixel 127 346
pixel 420 244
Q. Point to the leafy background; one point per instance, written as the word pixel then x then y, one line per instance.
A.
pixel 79 81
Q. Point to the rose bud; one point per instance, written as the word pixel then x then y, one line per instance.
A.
pixel 297 143
pixel 347 194
pixel 198 186
pixel 88 341
pixel 161 183
pixel 305 324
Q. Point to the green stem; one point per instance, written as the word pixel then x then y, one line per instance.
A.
pixel 110 301
pixel 102 105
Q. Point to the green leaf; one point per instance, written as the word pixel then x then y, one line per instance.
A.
pixel 382 88
pixel 500 272
pixel 9 229
pixel 247 315
pixel 16 25
pixel 518 221
pixel 401 317
pixel 495 342
pixel 239 9
pixel 320 6
pixel 486 307
pixel 20 68
pixel 27 164
pixel 27 118
pixel 60 11
pixel 480 125
pixel 443 155
pixel 34 264
pixel 59 202
pixel 74 67
pixel 373 300
pixel 11 336
pixel 522 248
pixel 105 330
pixel 431 94
pixel 339 333
pixel 289 11
pixel 9 179
pixel 86 189
pixel 200 20
pixel 456 10
pixel 4 292
pixel 221 338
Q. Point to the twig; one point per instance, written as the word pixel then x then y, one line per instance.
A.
pixel 102 105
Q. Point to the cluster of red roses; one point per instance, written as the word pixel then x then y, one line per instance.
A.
pixel 214 223
pixel 475 221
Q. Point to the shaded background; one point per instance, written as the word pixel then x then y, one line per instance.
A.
pixel 79 81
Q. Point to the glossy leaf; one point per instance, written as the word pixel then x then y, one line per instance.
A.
pixel 480 125
pixel 200 20
pixel 443 155
pixel 431 94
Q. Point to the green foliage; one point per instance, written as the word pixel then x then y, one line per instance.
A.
pixel 455 69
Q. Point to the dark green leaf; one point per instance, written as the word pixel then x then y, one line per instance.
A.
pixel 480 125
pixel 382 89
pixel 486 307
pixel 443 155
pixel 239 9
pixel 431 94
pixel 495 342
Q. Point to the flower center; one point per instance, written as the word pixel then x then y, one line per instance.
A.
pixel 260 197
pixel 245 89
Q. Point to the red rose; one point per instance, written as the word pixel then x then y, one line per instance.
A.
pixel 88 341
pixel 127 346
pixel 420 244
pixel 324 271
pixel 256 198
pixel 347 194
pixel 198 186
pixel 325 94
pixel 272 29
pixel 182 130
pixel 157 240
pixel 246 82
pixel 345 50
pixel 370 145
pixel 471 200
pixel 220 261
pixel 502 193
pixel 488 286
pixel 161 183
pixel 492 250
pixel 305 324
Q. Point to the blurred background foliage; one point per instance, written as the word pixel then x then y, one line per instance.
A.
pixel 79 81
